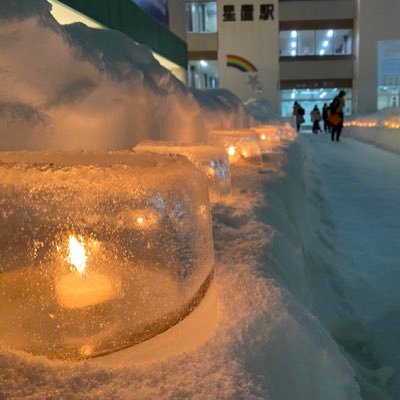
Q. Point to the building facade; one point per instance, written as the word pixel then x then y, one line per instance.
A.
pixel 297 50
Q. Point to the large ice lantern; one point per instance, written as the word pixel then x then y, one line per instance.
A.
pixel 239 144
pixel 211 160
pixel 99 251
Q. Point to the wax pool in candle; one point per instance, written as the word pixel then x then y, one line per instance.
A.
pixel 79 291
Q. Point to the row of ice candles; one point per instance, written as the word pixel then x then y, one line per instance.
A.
pixel 373 124
pixel 74 292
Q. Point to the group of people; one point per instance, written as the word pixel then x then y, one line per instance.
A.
pixel 332 116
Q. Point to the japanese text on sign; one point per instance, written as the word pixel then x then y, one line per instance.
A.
pixel 266 12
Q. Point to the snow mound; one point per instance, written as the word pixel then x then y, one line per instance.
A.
pixel 73 87
pixel 381 128
pixel 262 110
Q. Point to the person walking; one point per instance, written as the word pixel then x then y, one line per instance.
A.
pixel 315 118
pixel 325 114
pixel 298 112
pixel 336 117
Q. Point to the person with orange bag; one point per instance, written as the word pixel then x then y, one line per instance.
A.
pixel 336 116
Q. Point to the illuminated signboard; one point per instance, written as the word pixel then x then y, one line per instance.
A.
pixel 156 8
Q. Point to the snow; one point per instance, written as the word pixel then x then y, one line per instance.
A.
pixel 381 128
pixel 73 87
pixel 303 304
pixel 360 183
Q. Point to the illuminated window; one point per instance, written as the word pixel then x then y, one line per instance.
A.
pixel 201 16
pixel 388 74
pixel 322 42
pixel 203 74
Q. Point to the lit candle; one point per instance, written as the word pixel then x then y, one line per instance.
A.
pixel 231 150
pixel 80 289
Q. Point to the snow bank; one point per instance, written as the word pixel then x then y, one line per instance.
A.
pixel 381 128
pixel 262 111
pixel 385 138
pixel 73 87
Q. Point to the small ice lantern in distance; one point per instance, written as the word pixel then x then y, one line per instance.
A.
pixel 211 160
pixel 288 132
pixel 99 251
pixel 270 137
pixel 239 144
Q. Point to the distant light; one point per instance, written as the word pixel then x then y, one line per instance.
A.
pixel 293 34
pixel 203 63
pixel 330 33
pixel 325 44
pixel 293 52
pixel 321 52
pixel 293 95
pixel 293 44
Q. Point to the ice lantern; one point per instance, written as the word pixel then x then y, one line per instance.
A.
pixel 270 137
pixel 239 144
pixel 212 161
pixel 99 251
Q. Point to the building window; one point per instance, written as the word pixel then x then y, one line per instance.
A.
pixel 388 74
pixel 203 74
pixel 323 42
pixel 309 97
pixel 201 16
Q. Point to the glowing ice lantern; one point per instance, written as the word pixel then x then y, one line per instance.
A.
pixel 270 137
pixel 210 159
pixel 99 251
pixel 239 144
pixel 288 132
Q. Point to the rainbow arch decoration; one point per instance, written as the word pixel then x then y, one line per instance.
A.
pixel 240 63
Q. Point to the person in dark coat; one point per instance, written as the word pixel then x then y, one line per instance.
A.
pixel 298 112
pixel 325 114
pixel 337 108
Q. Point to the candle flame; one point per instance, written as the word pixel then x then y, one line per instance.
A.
pixel 231 150
pixel 77 255
pixel 263 136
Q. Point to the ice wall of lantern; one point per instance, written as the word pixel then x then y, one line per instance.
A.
pixel 140 230
pixel 270 137
pixel 240 144
pixel 212 161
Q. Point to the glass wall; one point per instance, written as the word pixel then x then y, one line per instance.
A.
pixel 308 98
pixel 388 74
pixel 326 42
pixel 201 16
pixel 203 74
